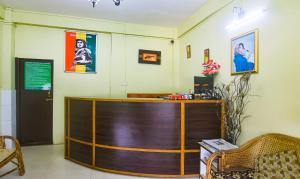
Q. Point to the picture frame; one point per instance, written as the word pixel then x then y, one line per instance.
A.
pixel 206 56
pixel 149 57
pixel 188 52
pixel 80 52
pixel 244 53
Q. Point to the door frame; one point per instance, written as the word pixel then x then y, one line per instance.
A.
pixel 18 89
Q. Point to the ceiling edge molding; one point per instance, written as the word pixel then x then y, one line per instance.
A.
pixel 210 8
pixel 89 24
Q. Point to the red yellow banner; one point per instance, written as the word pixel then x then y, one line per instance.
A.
pixel 80 52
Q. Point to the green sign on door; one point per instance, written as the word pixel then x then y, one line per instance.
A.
pixel 37 76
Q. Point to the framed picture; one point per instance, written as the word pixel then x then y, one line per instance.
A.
pixel 80 52
pixel 150 57
pixel 244 53
pixel 206 55
pixel 188 52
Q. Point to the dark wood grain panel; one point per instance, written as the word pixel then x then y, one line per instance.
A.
pixel 81 152
pixel 138 125
pixel 202 121
pixel 66 116
pixel 81 120
pixel 192 163
pixel 66 148
pixel 138 162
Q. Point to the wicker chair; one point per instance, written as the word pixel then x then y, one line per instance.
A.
pixel 244 157
pixel 8 155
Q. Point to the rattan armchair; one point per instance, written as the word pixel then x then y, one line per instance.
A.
pixel 13 155
pixel 244 157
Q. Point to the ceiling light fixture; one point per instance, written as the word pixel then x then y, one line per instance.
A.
pixel 242 18
pixel 117 2
pixel 95 2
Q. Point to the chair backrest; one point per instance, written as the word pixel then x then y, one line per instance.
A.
pixel 274 143
pixel 265 144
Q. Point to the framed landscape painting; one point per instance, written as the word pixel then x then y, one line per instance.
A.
pixel 150 57
pixel 244 53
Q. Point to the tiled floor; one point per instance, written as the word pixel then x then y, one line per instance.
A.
pixel 47 162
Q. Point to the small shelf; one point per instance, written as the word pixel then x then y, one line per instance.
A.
pixel 202 177
pixel 214 167
pixel 205 152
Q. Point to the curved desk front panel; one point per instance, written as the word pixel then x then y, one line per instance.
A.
pixel 140 137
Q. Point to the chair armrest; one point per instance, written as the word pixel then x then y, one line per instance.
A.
pixel 242 157
pixel 209 163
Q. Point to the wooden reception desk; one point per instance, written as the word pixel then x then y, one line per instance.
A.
pixel 155 138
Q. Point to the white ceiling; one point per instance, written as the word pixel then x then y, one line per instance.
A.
pixel 169 13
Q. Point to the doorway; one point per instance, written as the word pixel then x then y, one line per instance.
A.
pixel 34 94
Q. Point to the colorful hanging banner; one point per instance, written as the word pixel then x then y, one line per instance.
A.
pixel 80 52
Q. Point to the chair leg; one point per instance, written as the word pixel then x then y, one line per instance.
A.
pixel 21 167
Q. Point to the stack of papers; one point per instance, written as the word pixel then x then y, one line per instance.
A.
pixel 220 144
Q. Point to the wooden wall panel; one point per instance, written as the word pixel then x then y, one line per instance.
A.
pixel 66 148
pixel 66 117
pixel 81 152
pixel 192 163
pixel 138 125
pixel 81 120
pixel 202 121
pixel 138 162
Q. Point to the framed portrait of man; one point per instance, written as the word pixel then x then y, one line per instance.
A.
pixel 244 53
pixel 80 52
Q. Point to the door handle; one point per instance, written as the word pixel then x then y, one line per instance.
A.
pixel 49 99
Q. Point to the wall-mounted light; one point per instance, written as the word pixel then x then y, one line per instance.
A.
pixel 242 18
pixel 238 13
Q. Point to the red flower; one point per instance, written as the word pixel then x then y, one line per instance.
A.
pixel 211 67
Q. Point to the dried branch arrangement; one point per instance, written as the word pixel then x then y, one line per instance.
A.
pixel 235 96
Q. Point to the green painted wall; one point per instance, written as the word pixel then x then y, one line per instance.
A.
pixel 7 52
pixel 27 34
pixel 1 53
pixel 2 12
pixel 275 109
pixel 118 71
pixel 41 35
pixel 204 12
pixel 97 25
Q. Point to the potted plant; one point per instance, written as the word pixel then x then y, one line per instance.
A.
pixel 235 96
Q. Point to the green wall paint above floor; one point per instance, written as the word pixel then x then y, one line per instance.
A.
pixel 41 35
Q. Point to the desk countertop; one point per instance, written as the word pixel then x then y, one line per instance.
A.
pixel 156 100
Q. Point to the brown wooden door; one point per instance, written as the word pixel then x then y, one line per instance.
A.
pixel 34 88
